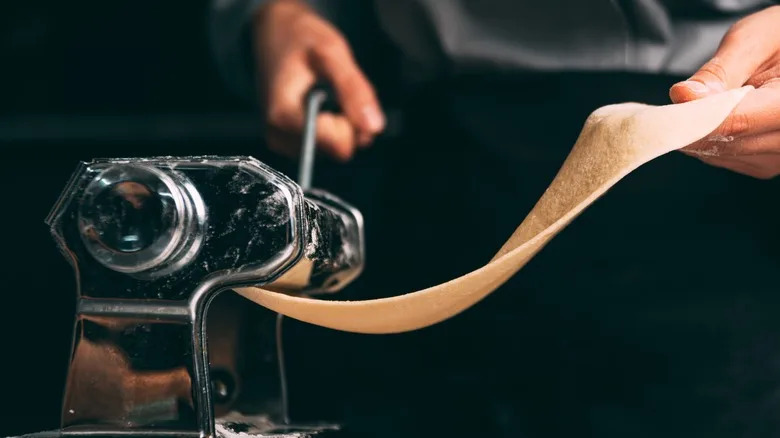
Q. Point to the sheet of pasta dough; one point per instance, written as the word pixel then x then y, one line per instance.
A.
pixel 615 140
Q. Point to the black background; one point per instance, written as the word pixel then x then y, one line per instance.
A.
pixel 654 313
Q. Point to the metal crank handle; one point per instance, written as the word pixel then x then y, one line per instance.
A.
pixel 315 100
pixel 320 97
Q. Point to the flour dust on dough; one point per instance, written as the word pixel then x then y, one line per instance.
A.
pixel 615 140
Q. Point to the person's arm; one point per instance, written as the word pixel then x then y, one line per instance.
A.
pixel 230 30
pixel 748 141
pixel 293 48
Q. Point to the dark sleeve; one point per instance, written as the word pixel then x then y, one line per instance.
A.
pixel 230 36
pixel 230 28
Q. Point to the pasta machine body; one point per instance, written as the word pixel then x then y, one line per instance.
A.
pixel 158 349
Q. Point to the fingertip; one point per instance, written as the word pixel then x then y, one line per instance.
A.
pixel 373 118
pixel 364 139
pixel 679 94
pixel 336 136
pixel 340 151
pixel 344 155
pixel 688 90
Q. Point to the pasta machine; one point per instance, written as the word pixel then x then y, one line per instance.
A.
pixel 158 349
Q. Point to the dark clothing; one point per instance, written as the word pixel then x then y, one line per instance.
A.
pixel 444 38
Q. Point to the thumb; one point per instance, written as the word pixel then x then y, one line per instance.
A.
pixel 741 52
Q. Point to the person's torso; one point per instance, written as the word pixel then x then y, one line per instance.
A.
pixel 453 37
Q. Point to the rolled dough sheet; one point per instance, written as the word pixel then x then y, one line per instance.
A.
pixel 615 140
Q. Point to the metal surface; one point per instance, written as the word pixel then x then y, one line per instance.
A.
pixel 153 242
pixel 314 101
pixel 341 260
pixel 141 220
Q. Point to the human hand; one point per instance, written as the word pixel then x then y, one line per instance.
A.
pixel 295 47
pixel 748 141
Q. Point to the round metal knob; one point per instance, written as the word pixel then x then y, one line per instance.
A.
pixel 130 216
pixel 141 220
